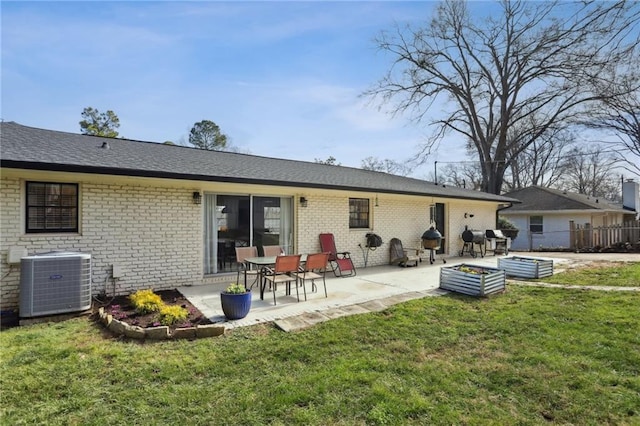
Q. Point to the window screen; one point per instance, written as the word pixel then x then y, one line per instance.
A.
pixel 535 224
pixel 358 212
pixel 52 207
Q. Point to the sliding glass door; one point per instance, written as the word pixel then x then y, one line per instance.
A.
pixel 241 220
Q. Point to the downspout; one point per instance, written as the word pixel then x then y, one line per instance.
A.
pixel 499 209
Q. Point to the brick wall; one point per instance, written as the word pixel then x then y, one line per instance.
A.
pixel 484 217
pixel 406 219
pixel 154 234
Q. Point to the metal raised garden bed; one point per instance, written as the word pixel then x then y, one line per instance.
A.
pixel 473 280
pixel 526 267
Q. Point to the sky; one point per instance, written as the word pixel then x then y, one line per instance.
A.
pixel 281 79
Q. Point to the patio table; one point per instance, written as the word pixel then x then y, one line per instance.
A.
pixel 263 261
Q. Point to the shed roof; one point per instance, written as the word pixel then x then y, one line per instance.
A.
pixel 40 149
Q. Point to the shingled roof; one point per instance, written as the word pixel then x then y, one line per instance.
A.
pixel 538 198
pixel 39 149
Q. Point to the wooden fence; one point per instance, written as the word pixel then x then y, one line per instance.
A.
pixel 584 236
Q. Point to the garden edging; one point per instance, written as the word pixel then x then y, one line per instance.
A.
pixel 158 333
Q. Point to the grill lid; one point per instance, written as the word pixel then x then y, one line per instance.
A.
pixel 495 233
pixel 431 234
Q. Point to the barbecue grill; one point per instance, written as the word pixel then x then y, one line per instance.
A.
pixel 471 239
pixel 431 240
pixel 497 241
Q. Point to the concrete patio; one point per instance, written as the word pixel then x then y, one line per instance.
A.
pixel 372 289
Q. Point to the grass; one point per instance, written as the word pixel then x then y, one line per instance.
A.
pixel 529 356
pixel 621 274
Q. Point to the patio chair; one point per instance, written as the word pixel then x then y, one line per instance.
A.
pixel 284 271
pixel 314 268
pixel 340 262
pixel 241 254
pixel 399 256
pixel 272 250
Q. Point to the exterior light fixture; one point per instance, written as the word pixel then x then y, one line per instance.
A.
pixel 466 215
pixel 197 198
pixel 303 202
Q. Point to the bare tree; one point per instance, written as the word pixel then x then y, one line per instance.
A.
pixel 386 165
pixel 620 115
pixel 331 161
pixel 463 174
pixel 526 67
pixel 541 163
pixel 591 171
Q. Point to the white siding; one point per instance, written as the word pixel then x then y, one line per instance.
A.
pixel 555 228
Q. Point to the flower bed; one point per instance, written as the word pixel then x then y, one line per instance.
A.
pixel 163 332
pixel 472 279
pixel 526 267
pixel 159 318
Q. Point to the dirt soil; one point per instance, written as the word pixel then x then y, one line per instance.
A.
pixel 121 309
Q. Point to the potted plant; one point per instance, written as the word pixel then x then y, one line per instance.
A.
pixel 507 227
pixel 236 301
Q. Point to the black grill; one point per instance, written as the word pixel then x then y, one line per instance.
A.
pixel 469 236
pixel 496 234
pixel 471 239
pixel 431 240
pixel 497 241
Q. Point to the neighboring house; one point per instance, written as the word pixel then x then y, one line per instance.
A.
pixel 165 216
pixel 544 215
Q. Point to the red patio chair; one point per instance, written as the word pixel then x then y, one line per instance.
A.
pixel 284 271
pixel 241 254
pixel 314 268
pixel 340 262
pixel 272 250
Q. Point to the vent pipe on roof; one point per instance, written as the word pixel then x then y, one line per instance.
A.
pixel 105 145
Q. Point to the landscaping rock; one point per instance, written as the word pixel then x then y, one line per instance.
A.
pixel 184 333
pixel 158 333
pixel 117 327
pixel 209 330
pixel 134 332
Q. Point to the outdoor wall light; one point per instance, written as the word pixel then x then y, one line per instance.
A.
pixel 466 215
pixel 197 198
pixel 377 204
pixel 303 202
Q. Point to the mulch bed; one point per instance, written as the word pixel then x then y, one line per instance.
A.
pixel 121 309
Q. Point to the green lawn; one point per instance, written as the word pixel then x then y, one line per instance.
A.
pixel 529 356
pixel 623 274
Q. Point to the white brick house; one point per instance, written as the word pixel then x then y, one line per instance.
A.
pixel 164 215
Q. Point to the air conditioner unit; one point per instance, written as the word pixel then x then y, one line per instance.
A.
pixel 54 283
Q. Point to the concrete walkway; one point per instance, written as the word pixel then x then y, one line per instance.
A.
pixel 573 287
pixel 372 289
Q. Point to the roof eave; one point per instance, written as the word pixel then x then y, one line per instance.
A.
pixel 564 212
pixel 74 168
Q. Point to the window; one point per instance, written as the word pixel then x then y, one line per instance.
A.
pixel 358 212
pixel 535 224
pixel 52 207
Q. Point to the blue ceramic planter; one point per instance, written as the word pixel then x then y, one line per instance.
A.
pixel 235 306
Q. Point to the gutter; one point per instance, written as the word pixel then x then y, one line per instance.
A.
pixel 499 209
pixel 70 168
